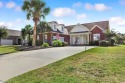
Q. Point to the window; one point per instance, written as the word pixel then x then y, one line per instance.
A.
pixel 96 37
pixel 62 29
pixel 45 38
pixel 55 28
pixel 54 38
pixel 62 39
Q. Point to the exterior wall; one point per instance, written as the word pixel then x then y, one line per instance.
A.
pixel 97 30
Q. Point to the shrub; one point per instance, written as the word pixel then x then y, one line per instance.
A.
pixel 45 45
pixel 94 43
pixel 112 42
pixel 104 43
pixel 64 44
pixel 57 43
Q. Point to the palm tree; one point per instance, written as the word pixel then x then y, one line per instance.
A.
pixel 29 32
pixel 3 32
pixel 23 34
pixel 43 27
pixel 35 9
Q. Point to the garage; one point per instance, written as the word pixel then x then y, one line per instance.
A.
pixel 6 42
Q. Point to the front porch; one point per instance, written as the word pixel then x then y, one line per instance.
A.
pixel 79 39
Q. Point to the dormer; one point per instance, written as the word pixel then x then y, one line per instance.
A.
pixel 53 25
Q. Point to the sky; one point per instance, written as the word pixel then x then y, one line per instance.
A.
pixel 68 12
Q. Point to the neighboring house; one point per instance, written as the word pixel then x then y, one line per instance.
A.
pixel 80 34
pixel 13 38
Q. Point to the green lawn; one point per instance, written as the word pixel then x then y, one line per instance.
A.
pixel 98 65
pixel 8 49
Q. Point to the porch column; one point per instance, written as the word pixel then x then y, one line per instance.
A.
pixel 70 40
pixel 88 38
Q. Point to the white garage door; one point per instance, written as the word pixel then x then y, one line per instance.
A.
pixel 6 42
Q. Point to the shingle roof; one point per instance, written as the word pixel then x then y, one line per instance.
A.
pixel 103 24
pixel 13 32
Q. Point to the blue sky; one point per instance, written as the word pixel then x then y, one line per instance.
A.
pixel 68 12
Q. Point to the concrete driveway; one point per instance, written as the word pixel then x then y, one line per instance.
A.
pixel 12 65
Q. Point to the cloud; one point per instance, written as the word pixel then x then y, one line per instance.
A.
pixel 18 8
pixel 101 7
pixel 10 4
pixel 16 24
pixel 1 4
pixel 122 2
pixel 118 20
pixel 81 16
pixel 78 4
pixel 98 7
pixel 62 12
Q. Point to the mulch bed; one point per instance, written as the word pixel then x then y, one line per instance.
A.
pixel 29 48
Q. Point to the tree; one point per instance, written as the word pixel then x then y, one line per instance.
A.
pixel 43 27
pixel 120 38
pixel 23 34
pixel 110 34
pixel 3 32
pixel 29 31
pixel 35 9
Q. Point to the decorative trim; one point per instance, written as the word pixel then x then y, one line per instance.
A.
pixel 78 25
pixel 95 27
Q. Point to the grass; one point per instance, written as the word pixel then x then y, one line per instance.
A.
pixel 98 65
pixel 7 49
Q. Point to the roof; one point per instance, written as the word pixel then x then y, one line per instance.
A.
pixel 13 32
pixel 103 24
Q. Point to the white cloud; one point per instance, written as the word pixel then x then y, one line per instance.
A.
pixel 1 4
pixel 122 2
pixel 16 24
pixel 78 4
pixel 81 16
pixel 101 7
pixel 10 4
pixel 118 20
pixel 61 12
pixel 97 7
pixel 18 9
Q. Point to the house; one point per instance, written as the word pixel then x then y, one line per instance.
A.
pixel 79 34
pixel 82 34
pixel 13 38
pixel 58 31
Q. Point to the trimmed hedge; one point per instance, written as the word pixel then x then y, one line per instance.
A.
pixel 64 44
pixel 93 43
pixel 45 45
pixel 104 43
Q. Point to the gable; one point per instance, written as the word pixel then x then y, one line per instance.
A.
pixel 79 28
pixel 96 26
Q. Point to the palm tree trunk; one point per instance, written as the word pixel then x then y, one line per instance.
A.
pixel 29 39
pixel 34 34
pixel 0 41
pixel 43 37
